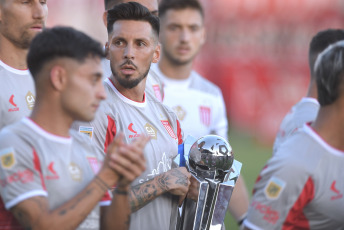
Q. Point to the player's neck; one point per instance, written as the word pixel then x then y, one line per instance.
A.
pixel 312 90
pixel 134 94
pixel 329 125
pixel 48 117
pixel 173 71
pixel 12 55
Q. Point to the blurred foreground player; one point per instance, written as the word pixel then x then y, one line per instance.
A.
pixel 307 108
pixel 302 185
pixel 19 23
pixel 51 178
pixel 132 47
pixel 197 102
pixel 153 83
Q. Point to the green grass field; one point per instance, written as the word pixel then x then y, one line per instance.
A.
pixel 253 156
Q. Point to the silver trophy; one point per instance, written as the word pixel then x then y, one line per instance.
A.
pixel 210 160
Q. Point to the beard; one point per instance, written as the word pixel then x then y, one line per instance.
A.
pixel 125 81
pixel 175 60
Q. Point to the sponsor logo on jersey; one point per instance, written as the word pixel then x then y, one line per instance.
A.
pixel 157 92
pixel 24 176
pixel 335 190
pixel 30 100
pixel 274 188
pixel 52 174
pixel 8 159
pixel 86 130
pixel 205 113
pixel 163 165
pixel 180 112
pixel 134 133
pixel 94 164
pixel 168 128
pixel 16 108
pixel 270 215
pixel 151 131
pixel 75 171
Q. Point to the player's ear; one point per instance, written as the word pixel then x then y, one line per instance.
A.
pixel 105 18
pixel 58 77
pixel 156 55
pixel 107 50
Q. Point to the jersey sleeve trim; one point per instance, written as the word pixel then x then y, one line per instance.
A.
pixel 25 196
pixel 251 226
pixel 105 203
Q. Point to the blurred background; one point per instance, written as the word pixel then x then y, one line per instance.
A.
pixel 256 52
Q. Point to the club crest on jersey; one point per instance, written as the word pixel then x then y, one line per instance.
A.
pixel 15 107
pixel 75 171
pixel 7 158
pixel 168 128
pixel 151 131
pixel 93 161
pixel 133 132
pixel 86 130
pixel 30 100
pixel 205 115
pixel 180 112
pixel 274 188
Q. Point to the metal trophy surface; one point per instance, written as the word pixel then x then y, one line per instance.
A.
pixel 210 160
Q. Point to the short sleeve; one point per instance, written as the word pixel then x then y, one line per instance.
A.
pixel 220 123
pixel 280 195
pixel 20 170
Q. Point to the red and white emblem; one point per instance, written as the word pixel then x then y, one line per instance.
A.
pixel 205 115
pixel 168 128
pixel 94 164
pixel 157 92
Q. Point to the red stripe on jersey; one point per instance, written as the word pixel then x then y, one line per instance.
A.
pixel 110 132
pixel 7 219
pixel 179 133
pixel 296 218
pixel 38 168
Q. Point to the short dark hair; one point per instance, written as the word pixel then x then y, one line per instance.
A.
pixel 111 3
pixel 329 73
pixel 320 42
pixel 132 11
pixel 61 42
pixel 166 5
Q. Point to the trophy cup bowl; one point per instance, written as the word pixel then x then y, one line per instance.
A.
pixel 211 153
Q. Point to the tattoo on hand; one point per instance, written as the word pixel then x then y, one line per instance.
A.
pixel 141 195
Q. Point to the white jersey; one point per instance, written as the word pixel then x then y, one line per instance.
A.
pixel 17 94
pixel 301 187
pixel 37 163
pixel 153 83
pixel 304 111
pixel 197 102
pixel 119 114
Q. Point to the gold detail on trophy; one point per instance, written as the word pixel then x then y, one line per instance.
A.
pixel 30 100
pixel 151 131
pixel 180 112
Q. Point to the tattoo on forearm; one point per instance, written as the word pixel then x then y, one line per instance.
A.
pixel 141 195
pixel 101 183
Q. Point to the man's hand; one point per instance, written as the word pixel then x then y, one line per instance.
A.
pixel 126 160
pixel 193 189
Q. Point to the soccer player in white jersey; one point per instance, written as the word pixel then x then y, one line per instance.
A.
pixel 132 47
pixel 19 22
pixel 197 102
pixel 153 83
pixel 307 108
pixel 302 185
pixel 50 176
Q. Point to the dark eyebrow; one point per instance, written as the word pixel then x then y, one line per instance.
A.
pixel 155 12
